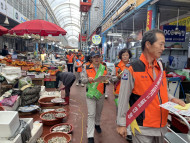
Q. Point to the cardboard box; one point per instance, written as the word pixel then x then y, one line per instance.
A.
pixel 9 123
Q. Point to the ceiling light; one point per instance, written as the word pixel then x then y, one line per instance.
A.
pixel 6 21
pixel 133 34
pixel 109 42
pixel 96 8
pixel 177 31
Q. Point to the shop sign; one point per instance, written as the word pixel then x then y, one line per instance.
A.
pixel 11 12
pixel 171 36
pixel 183 22
pixel 96 39
pixel 149 20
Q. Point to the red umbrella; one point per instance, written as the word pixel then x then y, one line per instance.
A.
pixel 3 30
pixel 40 27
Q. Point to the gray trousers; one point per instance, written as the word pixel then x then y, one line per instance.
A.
pixel 78 76
pixel 147 139
pixel 95 107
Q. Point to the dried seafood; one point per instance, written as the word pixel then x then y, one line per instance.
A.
pixel 57 140
pixel 62 128
pixel 60 110
pixel 48 116
pixel 60 115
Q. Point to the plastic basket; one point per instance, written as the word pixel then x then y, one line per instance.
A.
pixel 46 102
pixel 50 122
pixel 51 129
pixel 57 134
pixel 50 84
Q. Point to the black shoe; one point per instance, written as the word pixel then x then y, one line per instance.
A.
pixel 129 138
pixel 90 140
pixel 98 129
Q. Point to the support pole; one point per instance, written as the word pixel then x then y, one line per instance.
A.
pixel 151 17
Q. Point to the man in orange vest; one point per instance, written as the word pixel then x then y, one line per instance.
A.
pixel 135 81
pixel 70 61
pixel 95 93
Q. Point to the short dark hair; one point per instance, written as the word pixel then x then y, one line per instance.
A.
pixel 124 51
pixel 150 36
pixel 57 74
pixel 5 46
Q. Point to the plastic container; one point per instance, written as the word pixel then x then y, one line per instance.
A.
pixel 180 125
pixel 64 110
pixel 9 123
pixel 57 134
pixel 60 117
pixel 50 84
pixel 46 102
pixel 51 129
pixel 50 122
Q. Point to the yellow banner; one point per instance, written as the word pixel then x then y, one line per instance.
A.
pixel 183 22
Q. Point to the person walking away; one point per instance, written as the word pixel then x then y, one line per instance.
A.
pixel 67 79
pixel 70 61
pixel 135 81
pixel 94 95
pixel 78 67
pixel 5 51
pixel 124 56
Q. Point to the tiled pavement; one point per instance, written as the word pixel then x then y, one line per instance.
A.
pixel 78 118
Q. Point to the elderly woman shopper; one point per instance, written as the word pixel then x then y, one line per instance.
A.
pixel 95 93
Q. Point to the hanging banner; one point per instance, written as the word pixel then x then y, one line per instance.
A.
pixel 172 36
pixel 183 22
pixel 149 20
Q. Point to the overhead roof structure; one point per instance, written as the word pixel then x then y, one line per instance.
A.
pixel 68 16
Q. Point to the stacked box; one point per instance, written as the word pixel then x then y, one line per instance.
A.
pixel 9 123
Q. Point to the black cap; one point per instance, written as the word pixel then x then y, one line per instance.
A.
pixel 95 53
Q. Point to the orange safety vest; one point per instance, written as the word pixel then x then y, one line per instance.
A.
pixel 70 58
pixel 119 66
pixel 153 115
pixel 79 69
pixel 91 72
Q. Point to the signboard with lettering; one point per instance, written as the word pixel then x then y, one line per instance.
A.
pixel 172 35
pixel 183 22
pixel 149 20
pixel 96 39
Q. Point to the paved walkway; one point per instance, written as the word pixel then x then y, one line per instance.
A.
pixel 78 117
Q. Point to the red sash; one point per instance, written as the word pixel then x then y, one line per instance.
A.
pixel 144 100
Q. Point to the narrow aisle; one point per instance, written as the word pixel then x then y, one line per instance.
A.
pixel 78 116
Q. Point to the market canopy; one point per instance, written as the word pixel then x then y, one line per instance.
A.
pixel 3 30
pixel 68 15
pixel 38 26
